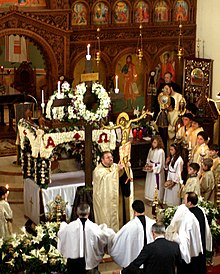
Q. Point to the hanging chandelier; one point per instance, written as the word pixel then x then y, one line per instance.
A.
pixel 140 45
pixel 98 50
pixel 180 51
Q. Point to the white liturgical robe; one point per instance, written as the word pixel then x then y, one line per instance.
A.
pixel 129 241
pixel 185 230
pixel 74 242
pixel 156 178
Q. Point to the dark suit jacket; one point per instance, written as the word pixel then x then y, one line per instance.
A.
pixel 159 257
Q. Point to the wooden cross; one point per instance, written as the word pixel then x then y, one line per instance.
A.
pixel 89 100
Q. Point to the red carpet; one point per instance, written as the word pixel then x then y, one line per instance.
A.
pixel 214 269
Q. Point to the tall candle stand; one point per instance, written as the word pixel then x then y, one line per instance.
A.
pixel 155 203
pixel 189 153
pixel 2 70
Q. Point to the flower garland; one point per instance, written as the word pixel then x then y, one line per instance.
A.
pixel 80 108
pixel 61 113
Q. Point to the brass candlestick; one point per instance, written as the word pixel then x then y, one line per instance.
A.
pixel 155 203
pixel 189 153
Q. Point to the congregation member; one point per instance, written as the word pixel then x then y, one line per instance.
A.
pixel 168 79
pixel 154 168
pixel 110 205
pixel 184 131
pixel 196 128
pixel 172 116
pixel 191 108
pixel 192 183
pixel 201 150
pixel 159 257
pixel 177 96
pixel 174 167
pixel 6 214
pixel 207 181
pixel 83 242
pixel 189 227
pixel 131 238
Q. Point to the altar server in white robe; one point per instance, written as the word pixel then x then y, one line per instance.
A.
pixel 112 200
pixel 131 238
pixel 154 167
pixel 83 242
pixel 174 177
pixel 186 229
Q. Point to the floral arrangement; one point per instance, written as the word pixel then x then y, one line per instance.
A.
pixel 79 106
pixel 212 214
pixel 144 124
pixel 62 113
pixel 76 109
pixel 32 253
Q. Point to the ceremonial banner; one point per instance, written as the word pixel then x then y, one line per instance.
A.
pixel 16 49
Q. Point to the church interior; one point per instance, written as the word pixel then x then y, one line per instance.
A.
pixel 49 49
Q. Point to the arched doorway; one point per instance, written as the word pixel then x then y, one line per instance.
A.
pixel 45 50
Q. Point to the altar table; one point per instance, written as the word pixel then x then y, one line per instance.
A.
pixel 64 184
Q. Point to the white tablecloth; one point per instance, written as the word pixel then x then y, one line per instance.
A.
pixel 64 184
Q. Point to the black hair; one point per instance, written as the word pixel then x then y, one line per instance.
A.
pixel 3 190
pixel 192 197
pixel 195 166
pixel 83 210
pixel 104 152
pixel 214 147
pixel 177 154
pixel 192 108
pixel 168 72
pixel 204 135
pixel 138 206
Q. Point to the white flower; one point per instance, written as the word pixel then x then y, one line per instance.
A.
pixel 136 111
pixel 1 242
pixel 65 86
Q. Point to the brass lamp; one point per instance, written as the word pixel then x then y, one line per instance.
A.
pixel 98 52
pixel 180 51
pixel 140 45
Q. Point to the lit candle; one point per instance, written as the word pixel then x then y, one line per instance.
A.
pixel 88 48
pixel 116 84
pixel 58 88
pixel 6 196
pixel 116 81
pixel 42 96
pixel 190 145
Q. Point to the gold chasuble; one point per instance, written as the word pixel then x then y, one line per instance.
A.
pixel 107 197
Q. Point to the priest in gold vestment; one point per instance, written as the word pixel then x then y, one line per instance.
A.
pixel 111 200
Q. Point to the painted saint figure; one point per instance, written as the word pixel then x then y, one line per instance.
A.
pixel 130 81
